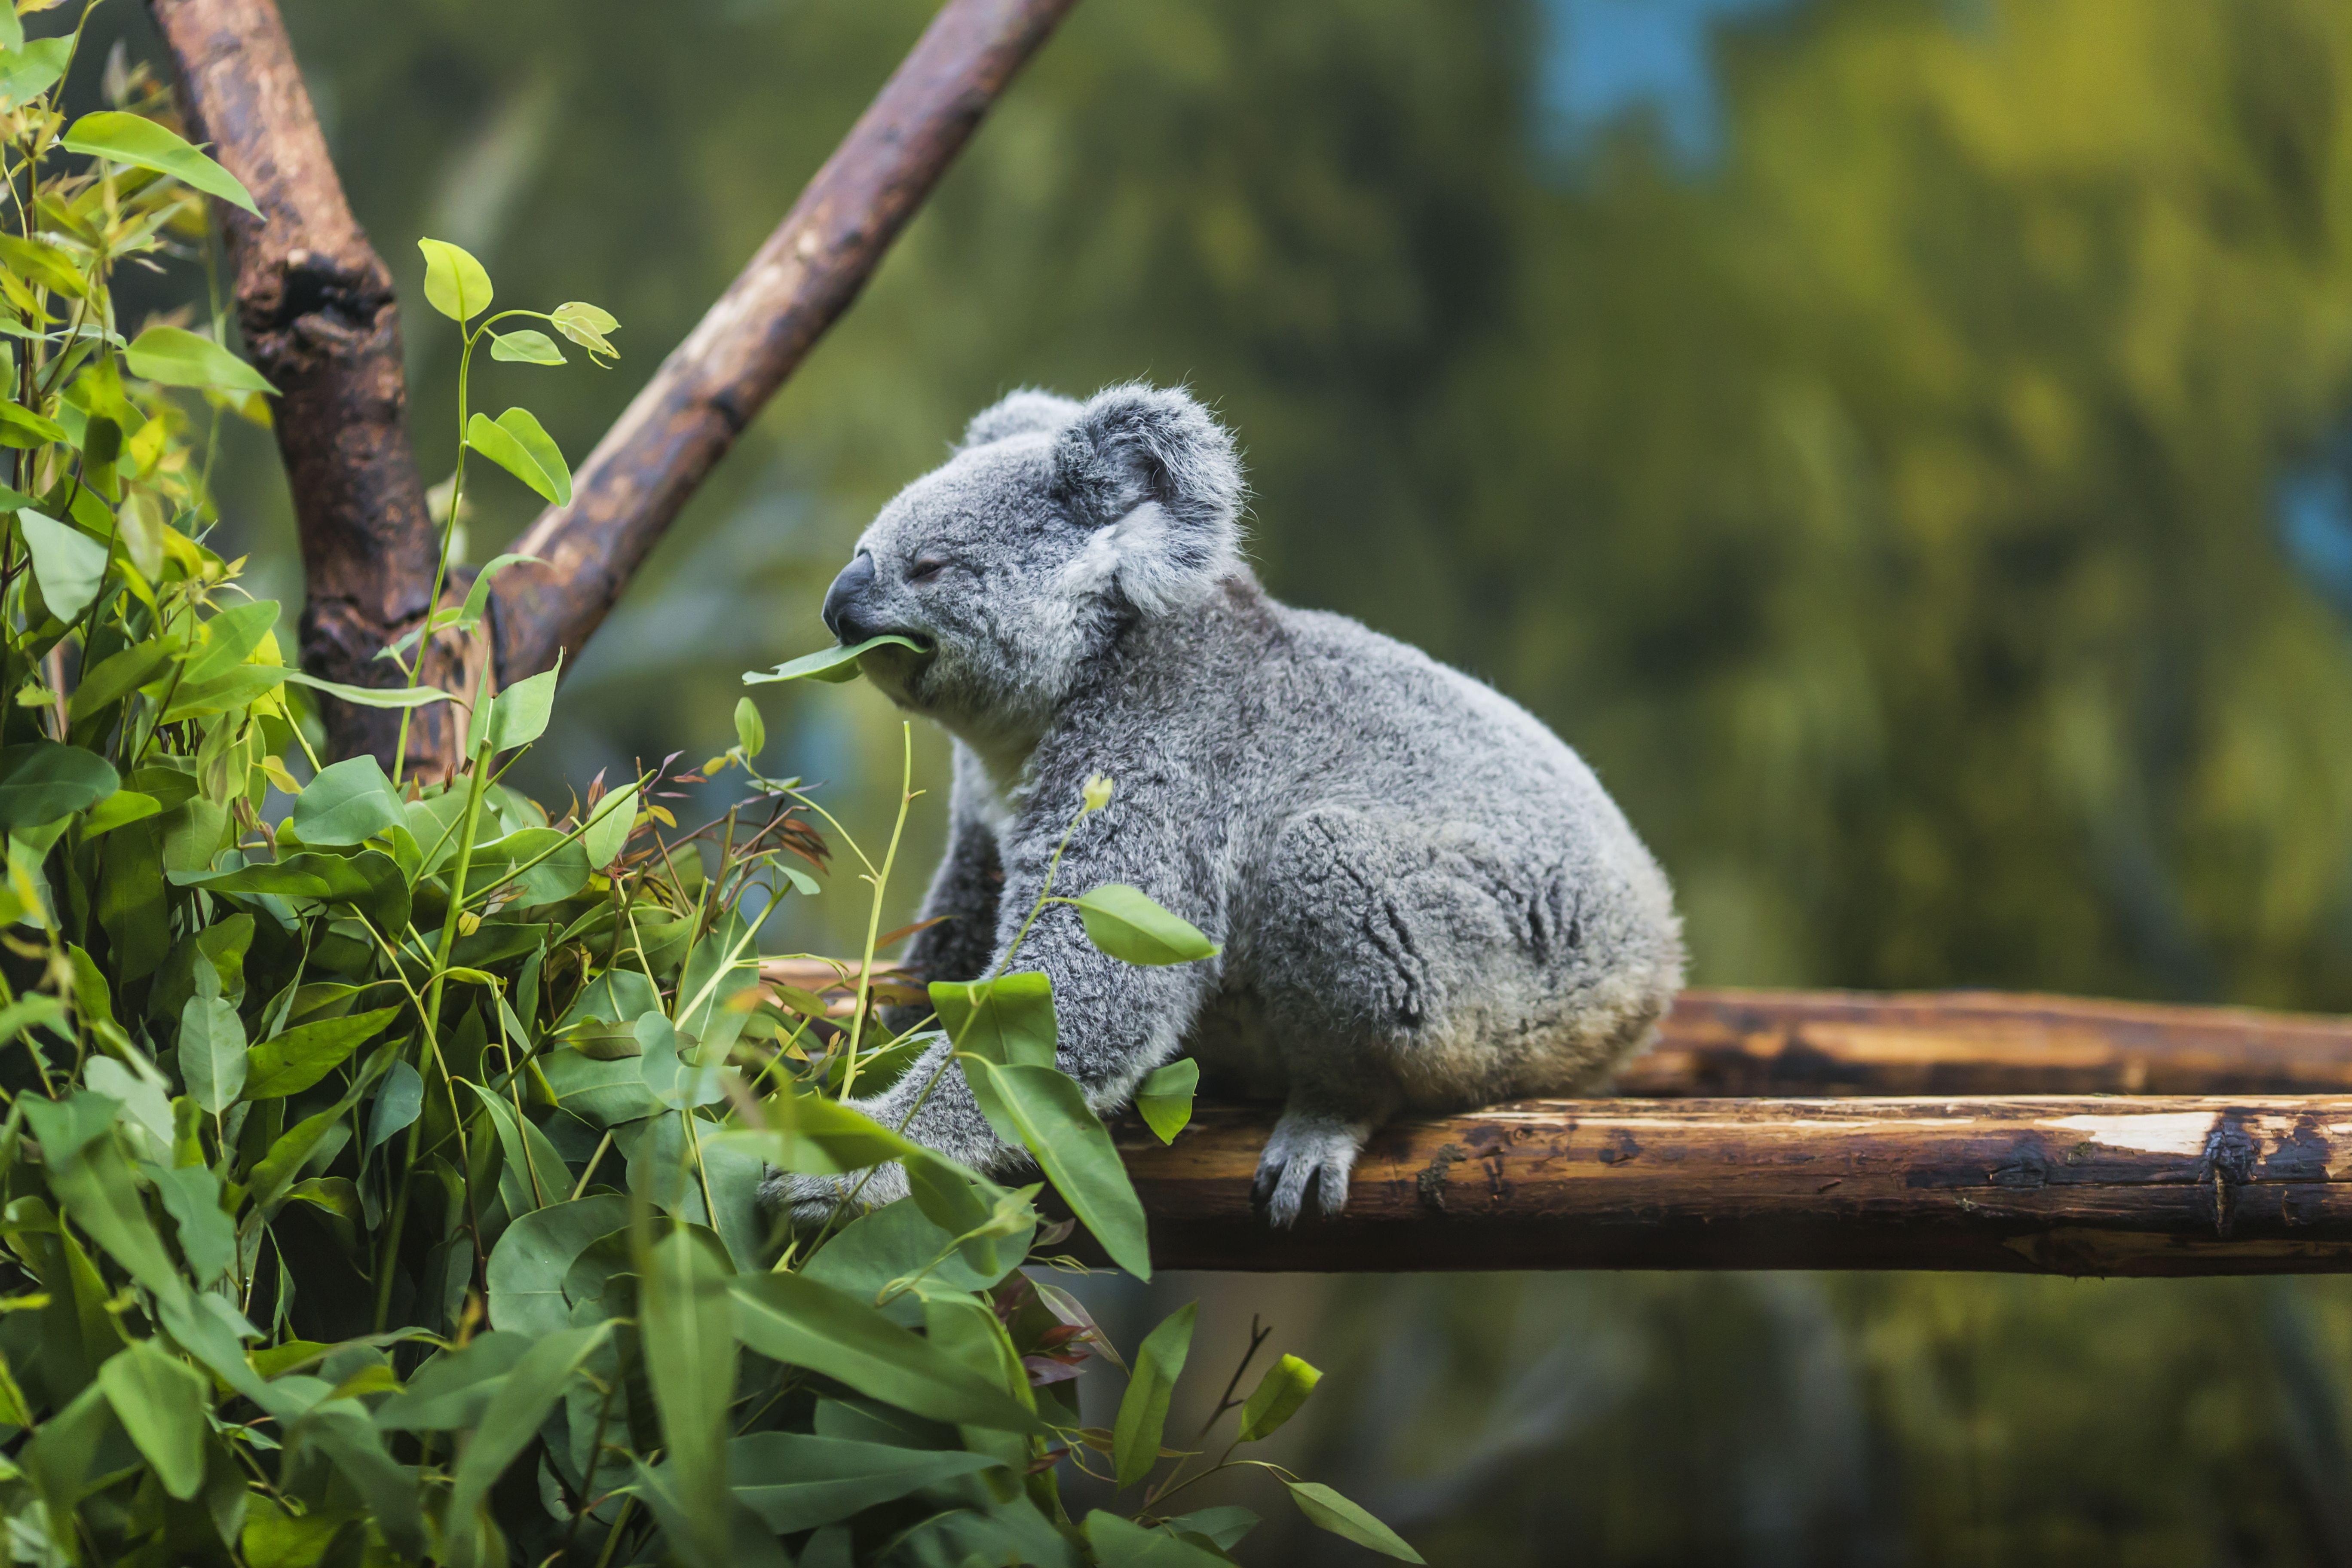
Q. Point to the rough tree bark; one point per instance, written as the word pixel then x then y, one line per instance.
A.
pixel 316 306
pixel 2155 1185
pixel 810 270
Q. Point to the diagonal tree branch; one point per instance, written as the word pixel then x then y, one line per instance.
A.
pixel 807 274
pixel 316 305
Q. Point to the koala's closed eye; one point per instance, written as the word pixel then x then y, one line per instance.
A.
pixel 923 568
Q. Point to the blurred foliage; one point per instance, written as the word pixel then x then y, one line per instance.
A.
pixel 1886 511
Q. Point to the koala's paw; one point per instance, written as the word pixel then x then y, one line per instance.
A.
pixel 1304 1151
pixel 813 1199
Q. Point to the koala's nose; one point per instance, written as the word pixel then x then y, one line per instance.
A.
pixel 841 616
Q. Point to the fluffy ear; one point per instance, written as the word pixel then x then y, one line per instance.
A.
pixel 1021 411
pixel 1158 478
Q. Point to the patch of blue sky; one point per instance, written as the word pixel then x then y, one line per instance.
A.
pixel 1610 61
pixel 2313 508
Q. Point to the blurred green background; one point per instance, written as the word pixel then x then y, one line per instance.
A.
pixel 1906 445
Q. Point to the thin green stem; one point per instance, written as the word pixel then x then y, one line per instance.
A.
pixel 441 559
pixel 881 883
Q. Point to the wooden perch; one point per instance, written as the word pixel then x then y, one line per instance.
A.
pixel 315 302
pixel 1979 1042
pixel 810 270
pixel 2162 1185
pixel 1808 1043
pixel 2232 1155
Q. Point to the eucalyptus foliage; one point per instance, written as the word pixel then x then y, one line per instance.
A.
pixel 380 1157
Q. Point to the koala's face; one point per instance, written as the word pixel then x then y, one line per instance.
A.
pixel 1016 562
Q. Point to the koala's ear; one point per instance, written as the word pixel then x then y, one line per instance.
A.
pixel 1022 412
pixel 1151 468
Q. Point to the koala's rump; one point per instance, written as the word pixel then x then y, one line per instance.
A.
pixel 1426 884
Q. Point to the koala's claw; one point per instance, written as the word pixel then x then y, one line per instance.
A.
pixel 1298 1155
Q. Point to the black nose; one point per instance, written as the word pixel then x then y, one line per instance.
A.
pixel 841 601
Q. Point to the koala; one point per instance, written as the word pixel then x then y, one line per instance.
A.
pixel 1425 900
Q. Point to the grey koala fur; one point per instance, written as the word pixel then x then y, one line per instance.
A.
pixel 1425 900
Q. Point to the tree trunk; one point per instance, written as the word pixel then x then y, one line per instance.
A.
pixel 315 304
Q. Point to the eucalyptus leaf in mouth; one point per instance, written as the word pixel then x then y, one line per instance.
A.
pixel 831 664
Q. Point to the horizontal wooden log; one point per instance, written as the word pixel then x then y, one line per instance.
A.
pixel 2048 1184
pixel 1813 1043
pixel 1979 1042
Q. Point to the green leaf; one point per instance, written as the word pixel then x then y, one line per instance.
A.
pixel 43 780
pixel 609 822
pixel 477 597
pixel 586 325
pixel 1276 1397
pixel 303 1055
pixel 602 1092
pixel 117 677
pixel 27 72
pixel 525 347
pixel 519 714
pixel 372 695
pixel 349 803
pixel 162 1402
pixel 800 1322
pixel 527 1266
pixel 275 1538
pixel 387 1489
pixel 820 1137
pixel 897 1243
pixel 515 442
pixel 454 283
pixel 277 1170
pixel 369 881
pixel 1009 1020
pixel 191 1195
pixel 833 665
pixel 1164 1098
pixel 537 1171
pixel 1044 1110
pixel 514 1419
pixel 454 1389
pixel 1326 1510
pixel 748 1544
pixel 1123 1543
pixel 795 1481
pixel 93 1183
pixel 722 965
pixel 1222 1527
pixel 399 1102
pixel 174 356
pixel 230 640
pixel 66 562
pixel 212 1053
pixel 689 1350
pixel 1144 1410
pixel 20 426
pixel 750 734
pixel 134 139
pixel 552 866
pixel 1124 922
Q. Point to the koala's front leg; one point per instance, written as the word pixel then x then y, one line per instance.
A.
pixel 1117 1021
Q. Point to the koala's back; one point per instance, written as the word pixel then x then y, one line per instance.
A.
pixel 1409 864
